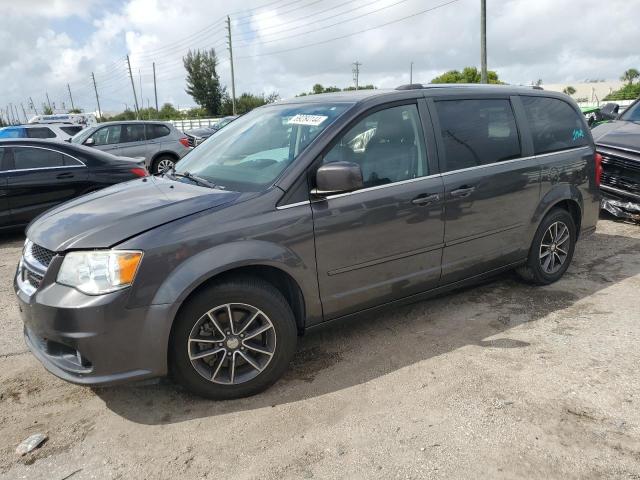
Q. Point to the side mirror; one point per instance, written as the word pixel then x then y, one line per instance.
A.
pixel 338 177
pixel 89 142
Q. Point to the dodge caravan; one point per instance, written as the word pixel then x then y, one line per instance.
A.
pixel 302 212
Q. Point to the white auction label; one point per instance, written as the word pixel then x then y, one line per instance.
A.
pixel 312 120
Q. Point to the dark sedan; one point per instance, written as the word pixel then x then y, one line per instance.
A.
pixel 36 175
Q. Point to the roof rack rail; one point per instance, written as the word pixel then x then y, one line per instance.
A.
pixel 410 86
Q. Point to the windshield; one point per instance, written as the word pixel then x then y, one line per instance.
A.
pixel 632 114
pixel 12 133
pixel 82 135
pixel 250 153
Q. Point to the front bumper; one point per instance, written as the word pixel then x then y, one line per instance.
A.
pixel 93 340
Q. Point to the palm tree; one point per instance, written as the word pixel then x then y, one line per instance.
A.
pixel 630 75
pixel 569 90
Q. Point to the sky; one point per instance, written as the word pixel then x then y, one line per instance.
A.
pixel 286 46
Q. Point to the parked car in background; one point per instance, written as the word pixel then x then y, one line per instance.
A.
pixel 198 135
pixel 36 175
pixel 159 143
pixel 303 212
pixel 58 131
pixel 82 119
pixel 597 115
pixel 618 141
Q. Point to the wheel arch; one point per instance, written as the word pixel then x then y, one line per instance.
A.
pixel 565 196
pixel 164 153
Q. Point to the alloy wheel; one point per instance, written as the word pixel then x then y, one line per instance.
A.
pixel 164 165
pixel 232 343
pixel 554 248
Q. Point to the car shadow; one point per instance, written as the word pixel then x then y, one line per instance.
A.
pixel 356 352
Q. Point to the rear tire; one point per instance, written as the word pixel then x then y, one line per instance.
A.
pixel 163 163
pixel 552 249
pixel 246 363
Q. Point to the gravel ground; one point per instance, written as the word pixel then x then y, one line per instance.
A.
pixel 502 380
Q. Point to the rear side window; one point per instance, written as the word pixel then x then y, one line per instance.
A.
pixel 71 130
pixel 40 132
pixel 157 131
pixel 27 158
pixel 133 133
pixel 477 132
pixel 554 124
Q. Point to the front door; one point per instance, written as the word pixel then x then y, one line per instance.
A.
pixel 382 242
pixel 40 178
pixel 491 188
pixel 107 139
pixel 5 211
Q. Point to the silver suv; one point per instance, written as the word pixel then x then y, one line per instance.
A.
pixel 159 143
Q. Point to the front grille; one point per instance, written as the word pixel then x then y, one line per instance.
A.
pixel 41 254
pixel 620 171
pixel 35 279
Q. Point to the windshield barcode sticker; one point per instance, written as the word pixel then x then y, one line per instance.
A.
pixel 312 120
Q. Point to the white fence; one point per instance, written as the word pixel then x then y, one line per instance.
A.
pixel 190 123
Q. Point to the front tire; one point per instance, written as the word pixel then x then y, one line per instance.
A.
pixel 551 250
pixel 233 339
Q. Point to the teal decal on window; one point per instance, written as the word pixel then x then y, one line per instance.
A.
pixel 577 134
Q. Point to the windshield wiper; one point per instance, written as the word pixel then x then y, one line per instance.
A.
pixel 190 176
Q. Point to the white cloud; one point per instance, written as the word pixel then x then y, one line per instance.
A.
pixel 556 40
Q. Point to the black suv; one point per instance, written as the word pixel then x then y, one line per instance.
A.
pixel 302 212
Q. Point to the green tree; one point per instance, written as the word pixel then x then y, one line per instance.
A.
pixel 247 102
pixel 203 83
pixel 169 112
pixel 75 110
pixel 360 87
pixel 468 75
pixel 628 92
pixel 569 90
pixel 46 109
pixel 630 75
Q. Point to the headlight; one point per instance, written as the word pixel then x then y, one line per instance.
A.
pixel 97 272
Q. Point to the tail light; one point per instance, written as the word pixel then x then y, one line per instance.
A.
pixel 184 141
pixel 598 161
pixel 139 172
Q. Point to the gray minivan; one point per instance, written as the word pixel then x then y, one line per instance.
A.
pixel 159 143
pixel 302 212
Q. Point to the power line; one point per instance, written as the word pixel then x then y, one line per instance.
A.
pixel 352 33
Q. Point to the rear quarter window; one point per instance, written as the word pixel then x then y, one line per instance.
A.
pixel 157 131
pixel 554 124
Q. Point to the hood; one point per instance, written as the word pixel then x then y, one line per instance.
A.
pixel 618 134
pixel 104 218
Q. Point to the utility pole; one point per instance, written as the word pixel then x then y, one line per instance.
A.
pixel 411 73
pixel 71 98
pixel 483 41
pixel 155 89
pixel 233 78
pixel 33 105
pixel 356 72
pixel 48 101
pixel 95 88
pixel 133 87
pixel 26 120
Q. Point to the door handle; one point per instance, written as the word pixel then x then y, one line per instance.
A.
pixel 425 199
pixel 463 191
pixel 62 176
